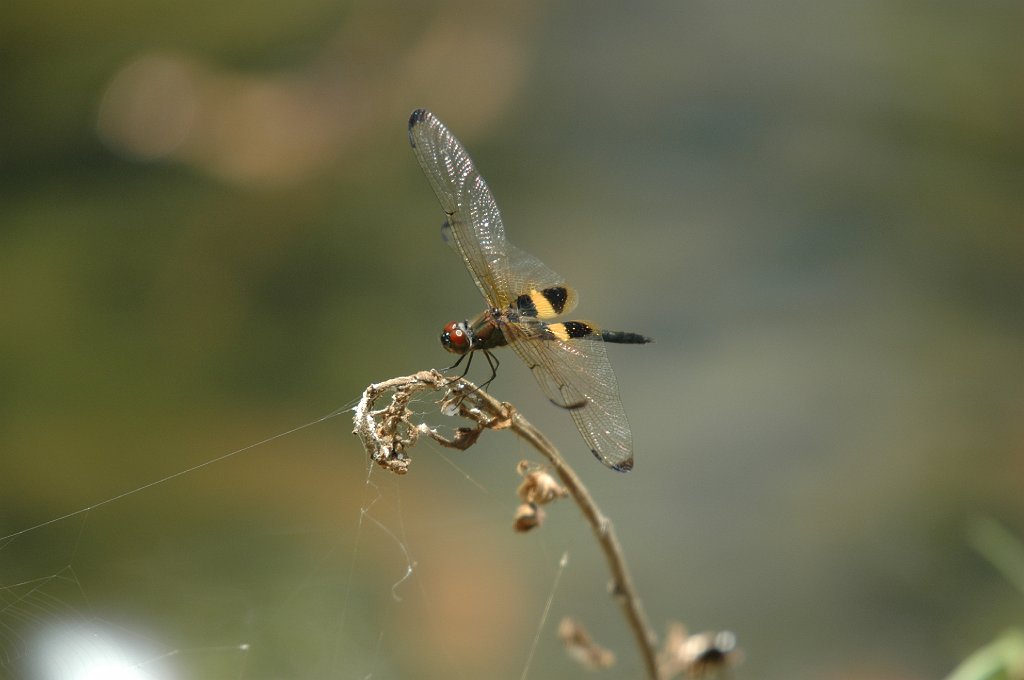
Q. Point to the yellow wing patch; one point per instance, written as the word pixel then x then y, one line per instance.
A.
pixel 549 302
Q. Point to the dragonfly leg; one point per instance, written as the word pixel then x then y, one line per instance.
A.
pixel 459 361
pixel 493 362
pixel 469 363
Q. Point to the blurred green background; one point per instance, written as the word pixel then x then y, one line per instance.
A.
pixel 212 230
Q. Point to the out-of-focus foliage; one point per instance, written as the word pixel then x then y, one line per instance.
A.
pixel 1003 659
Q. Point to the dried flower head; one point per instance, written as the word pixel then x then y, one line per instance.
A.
pixel 538 485
pixel 388 433
pixel 697 656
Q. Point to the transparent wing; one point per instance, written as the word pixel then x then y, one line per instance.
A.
pixel 576 375
pixel 473 218
pixel 525 272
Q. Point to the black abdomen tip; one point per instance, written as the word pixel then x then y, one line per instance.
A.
pixel 625 337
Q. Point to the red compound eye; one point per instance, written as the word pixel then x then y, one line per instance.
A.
pixel 455 338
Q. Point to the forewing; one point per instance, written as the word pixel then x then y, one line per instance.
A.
pixel 525 272
pixel 473 217
pixel 576 375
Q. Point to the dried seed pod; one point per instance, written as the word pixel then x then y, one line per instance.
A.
pixel 528 516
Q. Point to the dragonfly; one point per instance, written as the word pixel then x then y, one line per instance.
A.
pixel 523 295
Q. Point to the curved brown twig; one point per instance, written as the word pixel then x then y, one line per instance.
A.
pixel 389 432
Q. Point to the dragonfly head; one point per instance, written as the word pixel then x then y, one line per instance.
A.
pixel 457 338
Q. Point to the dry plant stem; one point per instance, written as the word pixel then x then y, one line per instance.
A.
pixel 622 584
pixel 388 433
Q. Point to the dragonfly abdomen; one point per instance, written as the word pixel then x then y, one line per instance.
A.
pixel 569 330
